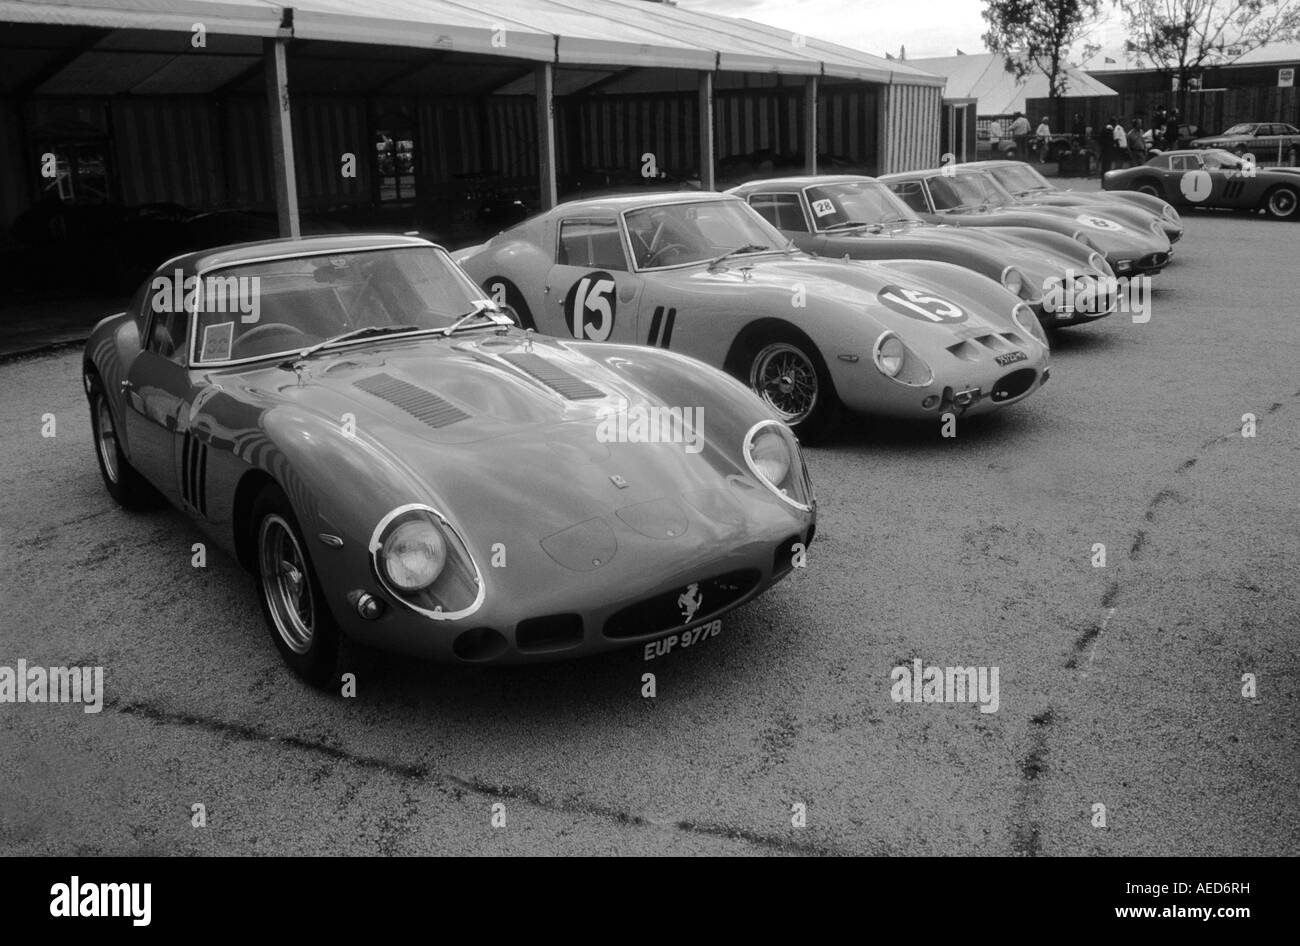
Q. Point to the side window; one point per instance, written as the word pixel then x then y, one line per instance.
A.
pixel 911 194
pixel 168 335
pixel 782 211
pixel 594 244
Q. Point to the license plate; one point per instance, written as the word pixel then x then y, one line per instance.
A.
pixel 1010 358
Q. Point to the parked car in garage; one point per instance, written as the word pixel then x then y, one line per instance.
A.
pixel 1213 179
pixel 706 275
pixel 860 218
pixel 397 463
pixel 973 199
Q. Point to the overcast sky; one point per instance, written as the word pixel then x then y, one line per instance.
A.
pixel 925 27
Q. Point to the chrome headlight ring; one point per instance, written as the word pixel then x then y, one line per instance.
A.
pixel 382 532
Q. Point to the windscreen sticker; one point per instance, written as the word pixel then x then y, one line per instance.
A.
pixel 823 207
pixel 217 339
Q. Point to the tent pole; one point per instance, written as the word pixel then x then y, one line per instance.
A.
pixel 274 54
pixel 544 84
pixel 708 154
pixel 810 124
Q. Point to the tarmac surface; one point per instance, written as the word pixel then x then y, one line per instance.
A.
pixel 1119 686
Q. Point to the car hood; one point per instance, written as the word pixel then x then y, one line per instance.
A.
pixel 855 283
pixel 493 421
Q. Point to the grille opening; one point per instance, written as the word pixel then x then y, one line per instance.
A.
pixel 665 612
pixel 479 644
pixel 1014 384
pixel 552 632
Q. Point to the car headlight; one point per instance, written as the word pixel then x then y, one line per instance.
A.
pixel 1170 214
pixel 1098 263
pixel 890 355
pixel 413 555
pixel 424 564
pixel 1085 239
pixel 1013 280
pixel 896 361
pixel 773 456
pixel 1157 229
pixel 1024 317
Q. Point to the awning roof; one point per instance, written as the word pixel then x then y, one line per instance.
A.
pixel 67 47
pixel 984 76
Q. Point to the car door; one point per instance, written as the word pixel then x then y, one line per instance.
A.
pixel 156 392
pixel 590 292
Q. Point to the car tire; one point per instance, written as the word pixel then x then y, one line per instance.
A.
pixel 1149 187
pixel 127 487
pixel 1283 203
pixel 297 616
pixel 790 377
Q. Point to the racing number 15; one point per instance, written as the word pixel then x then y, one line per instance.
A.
pixel 592 297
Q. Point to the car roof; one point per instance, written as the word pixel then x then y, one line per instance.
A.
pixel 800 181
pixel 234 254
pixel 617 203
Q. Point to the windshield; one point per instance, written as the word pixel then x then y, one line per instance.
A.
pixel 856 202
pixel 1240 130
pixel 965 192
pixel 1020 178
pixel 699 231
pixel 280 307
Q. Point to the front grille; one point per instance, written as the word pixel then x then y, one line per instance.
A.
pixel 553 632
pixel 423 405
pixel 667 611
pixel 1153 260
pixel 1014 384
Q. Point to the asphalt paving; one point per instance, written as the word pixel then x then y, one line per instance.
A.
pixel 1119 686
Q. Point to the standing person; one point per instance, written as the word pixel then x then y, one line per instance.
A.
pixel 1105 147
pixel 1172 135
pixel 1078 132
pixel 1020 135
pixel 1044 135
pixel 1137 142
pixel 1120 137
pixel 995 138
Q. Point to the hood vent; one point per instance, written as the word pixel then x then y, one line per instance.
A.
pixel 421 404
pixel 553 376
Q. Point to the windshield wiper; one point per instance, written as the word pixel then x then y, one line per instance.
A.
pixel 846 224
pixel 747 248
pixel 481 307
pixel 366 332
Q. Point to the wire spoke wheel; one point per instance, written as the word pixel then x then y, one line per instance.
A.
pixel 786 379
pixel 286 583
pixel 1282 202
pixel 106 438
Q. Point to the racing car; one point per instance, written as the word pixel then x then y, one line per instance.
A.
pixel 963 198
pixel 706 275
pixel 1028 187
pixel 399 465
pixel 858 217
pixel 1212 179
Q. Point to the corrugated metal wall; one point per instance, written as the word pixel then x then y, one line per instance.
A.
pixel 15 190
pixel 324 129
pixel 167 150
pixel 910 117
